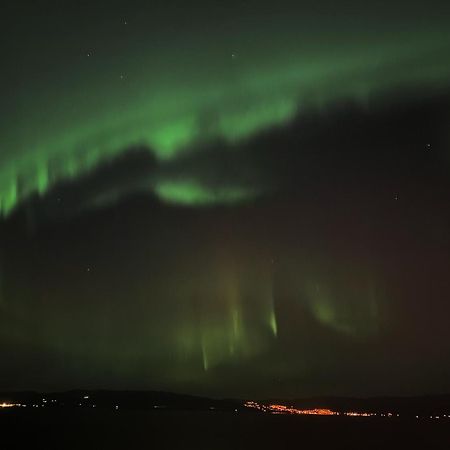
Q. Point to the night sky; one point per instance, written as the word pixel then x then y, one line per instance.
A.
pixel 225 198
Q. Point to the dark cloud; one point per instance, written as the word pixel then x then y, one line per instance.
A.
pixel 381 142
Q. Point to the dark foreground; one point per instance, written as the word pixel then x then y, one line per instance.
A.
pixel 106 429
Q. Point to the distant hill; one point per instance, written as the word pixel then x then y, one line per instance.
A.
pixel 156 400
pixel 118 399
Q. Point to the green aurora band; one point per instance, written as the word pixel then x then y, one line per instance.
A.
pixel 60 129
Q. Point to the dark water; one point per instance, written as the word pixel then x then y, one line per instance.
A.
pixel 105 429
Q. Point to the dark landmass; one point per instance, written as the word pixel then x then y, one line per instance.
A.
pixel 133 400
pixel 428 405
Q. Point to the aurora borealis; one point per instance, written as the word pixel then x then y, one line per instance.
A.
pixel 172 89
pixel 240 199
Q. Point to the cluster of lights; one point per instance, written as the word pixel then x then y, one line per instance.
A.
pixel 9 405
pixel 359 414
pixel 282 409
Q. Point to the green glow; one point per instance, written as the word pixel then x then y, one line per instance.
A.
pixel 236 127
pixel 234 327
pixel 42 180
pixel 232 316
pixel 204 357
pixel 82 117
pixel 191 193
pixel 327 313
pixel 273 323
pixel 352 310
pixel 168 139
